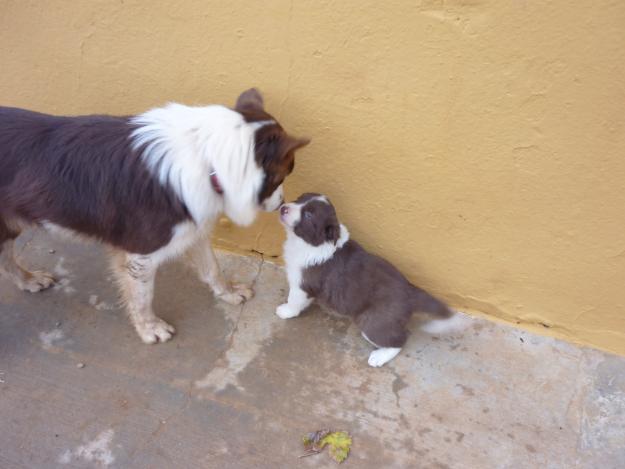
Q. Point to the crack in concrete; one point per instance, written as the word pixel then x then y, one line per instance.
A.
pixel 575 394
pixel 161 424
pixel 242 310
pixel 398 385
pixel 226 368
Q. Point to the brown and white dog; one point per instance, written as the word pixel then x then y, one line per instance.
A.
pixel 324 264
pixel 150 186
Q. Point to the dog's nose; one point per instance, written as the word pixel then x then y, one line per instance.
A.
pixel 284 210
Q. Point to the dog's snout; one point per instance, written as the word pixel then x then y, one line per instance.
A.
pixel 284 210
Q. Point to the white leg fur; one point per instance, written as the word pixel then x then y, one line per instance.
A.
pixel 297 302
pixel 203 257
pixel 25 280
pixel 135 275
pixel 383 355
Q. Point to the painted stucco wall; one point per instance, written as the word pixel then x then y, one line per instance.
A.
pixel 480 145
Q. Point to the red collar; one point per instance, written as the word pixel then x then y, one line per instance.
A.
pixel 215 183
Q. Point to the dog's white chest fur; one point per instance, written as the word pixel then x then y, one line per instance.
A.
pixel 298 255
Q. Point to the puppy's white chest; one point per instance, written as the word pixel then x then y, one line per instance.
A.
pixel 294 264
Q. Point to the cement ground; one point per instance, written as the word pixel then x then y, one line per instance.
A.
pixel 237 387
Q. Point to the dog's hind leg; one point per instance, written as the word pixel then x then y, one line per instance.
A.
pixel 203 258
pixel 380 355
pixel 135 275
pixel 387 335
pixel 10 268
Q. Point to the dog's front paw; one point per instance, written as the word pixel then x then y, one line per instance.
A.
pixel 36 281
pixel 237 294
pixel 154 330
pixel 285 311
pixel 382 355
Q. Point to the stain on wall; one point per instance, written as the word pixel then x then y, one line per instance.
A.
pixel 477 144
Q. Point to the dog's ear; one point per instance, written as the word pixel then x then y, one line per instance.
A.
pixel 332 232
pixel 250 100
pixel 289 144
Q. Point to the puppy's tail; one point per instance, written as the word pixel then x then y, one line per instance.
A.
pixel 425 303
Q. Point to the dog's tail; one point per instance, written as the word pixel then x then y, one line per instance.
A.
pixel 423 302
pixel 441 318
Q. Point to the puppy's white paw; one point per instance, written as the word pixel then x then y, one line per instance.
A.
pixel 382 355
pixel 285 311
pixel 36 281
pixel 154 330
pixel 237 294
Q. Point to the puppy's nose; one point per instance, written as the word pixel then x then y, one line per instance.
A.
pixel 284 210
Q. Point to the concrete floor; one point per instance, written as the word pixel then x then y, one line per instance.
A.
pixel 238 387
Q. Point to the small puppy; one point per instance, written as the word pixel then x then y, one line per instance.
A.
pixel 323 263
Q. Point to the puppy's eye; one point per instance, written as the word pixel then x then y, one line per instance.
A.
pixel 307 215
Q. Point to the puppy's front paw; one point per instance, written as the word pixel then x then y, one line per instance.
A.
pixel 382 355
pixel 154 330
pixel 237 294
pixel 285 311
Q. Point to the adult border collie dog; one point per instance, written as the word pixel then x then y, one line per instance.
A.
pixel 149 186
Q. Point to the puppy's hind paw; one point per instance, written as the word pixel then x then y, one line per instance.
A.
pixel 285 311
pixel 154 330
pixel 381 356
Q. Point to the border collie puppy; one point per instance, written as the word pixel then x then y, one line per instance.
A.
pixel 150 186
pixel 324 264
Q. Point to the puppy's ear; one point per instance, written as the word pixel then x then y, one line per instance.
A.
pixel 250 100
pixel 289 144
pixel 332 233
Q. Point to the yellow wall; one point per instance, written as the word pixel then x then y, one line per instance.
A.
pixel 480 145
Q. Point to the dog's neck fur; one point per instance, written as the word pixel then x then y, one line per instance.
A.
pixel 180 144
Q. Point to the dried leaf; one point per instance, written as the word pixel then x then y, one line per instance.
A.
pixel 312 439
pixel 339 443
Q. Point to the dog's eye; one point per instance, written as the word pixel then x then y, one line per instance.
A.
pixel 307 215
